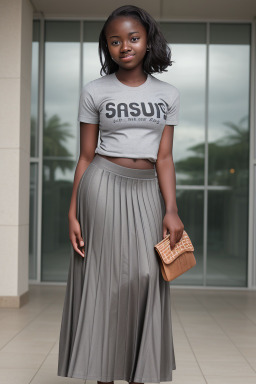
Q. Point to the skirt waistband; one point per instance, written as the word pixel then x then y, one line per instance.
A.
pixel 103 163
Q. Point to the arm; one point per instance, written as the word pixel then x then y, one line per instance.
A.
pixel 167 183
pixel 88 143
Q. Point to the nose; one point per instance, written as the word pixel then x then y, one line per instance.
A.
pixel 125 46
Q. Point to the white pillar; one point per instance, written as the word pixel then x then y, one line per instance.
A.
pixel 16 21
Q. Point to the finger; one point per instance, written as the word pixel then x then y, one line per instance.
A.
pixel 178 236
pixel 79 239
pixel 172 239
pixel 164 231
pixel 82 245
pixel 81 242
pixel 76 249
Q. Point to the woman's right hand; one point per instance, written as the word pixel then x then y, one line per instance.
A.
pixel 75 236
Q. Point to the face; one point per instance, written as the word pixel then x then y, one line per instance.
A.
pixel 127 42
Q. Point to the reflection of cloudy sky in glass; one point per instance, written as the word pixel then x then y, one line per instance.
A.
pixel 92 65
pixel 228 90
pixel 62 83
pixel 188 74
pixel 62 92
pixel 34 79
pixel 228 87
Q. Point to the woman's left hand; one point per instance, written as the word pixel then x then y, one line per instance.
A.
pixel 174 225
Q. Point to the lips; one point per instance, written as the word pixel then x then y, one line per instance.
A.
pixel 126 57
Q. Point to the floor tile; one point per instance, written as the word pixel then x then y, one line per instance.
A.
pixel 226 368
pixel 214 335
pixel 230 380
pixel 16 376
pixel 12 360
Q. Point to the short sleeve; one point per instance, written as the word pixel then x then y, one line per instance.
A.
pixel 173 110
pixel 87 111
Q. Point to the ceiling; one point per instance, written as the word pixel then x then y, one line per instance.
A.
pixel 237 10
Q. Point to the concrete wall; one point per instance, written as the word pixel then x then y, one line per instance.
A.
pixel 16 18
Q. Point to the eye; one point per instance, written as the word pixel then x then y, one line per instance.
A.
pixel 115 42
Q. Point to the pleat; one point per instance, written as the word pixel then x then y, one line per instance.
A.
pixel 140 276
pixel 132 283
pixel 149 366
pixel 130 232
pixel 101 303
pixel 80 353
pixel 111 330
pixel 73 297
pixel 116 321
pixel 119 305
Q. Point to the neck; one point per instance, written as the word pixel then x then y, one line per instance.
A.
pixel 133 76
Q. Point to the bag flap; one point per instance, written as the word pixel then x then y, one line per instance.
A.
pixel 167 254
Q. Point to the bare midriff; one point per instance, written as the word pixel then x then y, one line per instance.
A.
pixel 130 163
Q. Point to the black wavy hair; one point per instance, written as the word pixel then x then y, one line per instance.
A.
pixel 157 59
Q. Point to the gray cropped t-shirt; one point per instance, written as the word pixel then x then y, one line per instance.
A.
pixel 131 119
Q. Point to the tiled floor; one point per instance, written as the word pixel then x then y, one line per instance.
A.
pixel 214 337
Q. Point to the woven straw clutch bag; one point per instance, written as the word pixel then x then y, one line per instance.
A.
pixel 174 262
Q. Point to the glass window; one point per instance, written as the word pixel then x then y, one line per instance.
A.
pixel 34 90
pixel 228 82
pixel 228 149
pixel 62 51
pixel 33 221
pixel 188 73
pixel 191 211
pixel 227 238
pixel 91 60
pixel 60 135
pixel 34 145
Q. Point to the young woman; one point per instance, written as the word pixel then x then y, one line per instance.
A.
pixel 116 321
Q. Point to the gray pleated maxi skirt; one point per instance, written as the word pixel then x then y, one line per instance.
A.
pixel 116 320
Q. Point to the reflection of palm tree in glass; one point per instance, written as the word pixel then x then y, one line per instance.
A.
pixel 55 136
pixel 228 159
